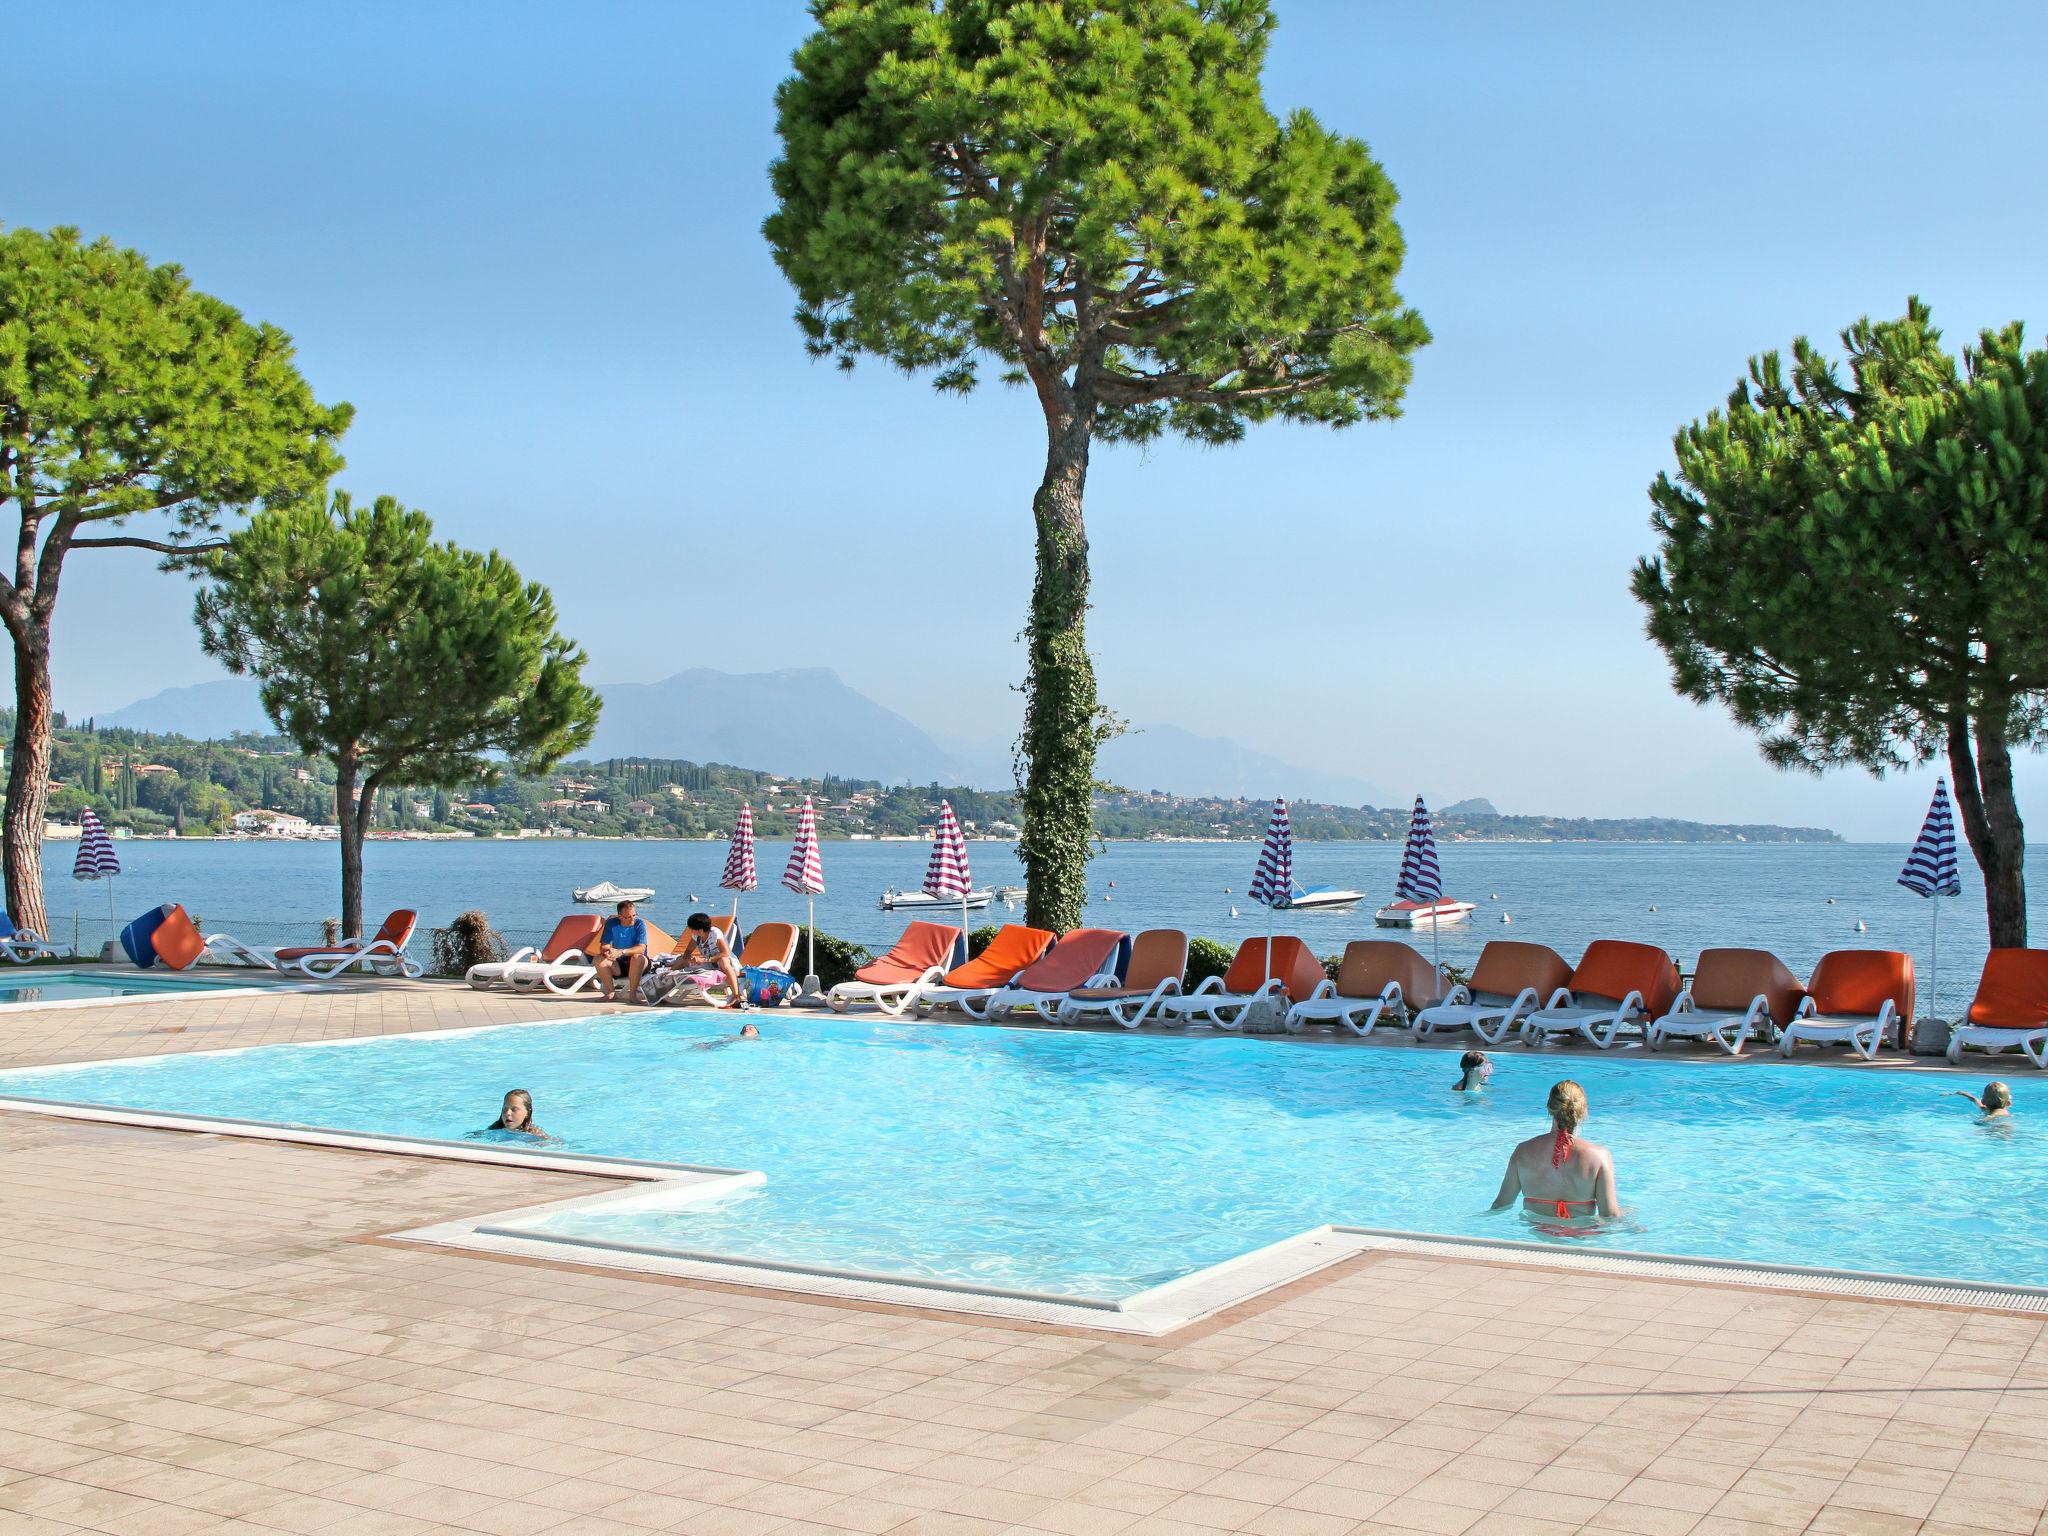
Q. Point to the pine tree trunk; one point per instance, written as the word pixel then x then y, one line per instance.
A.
pixel 1990 814
pixel 28 778
pixel 1057 748
pixel 353 816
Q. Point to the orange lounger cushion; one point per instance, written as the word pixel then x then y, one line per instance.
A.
pixel 1506 966
pixel 1857 983
pixel 771 945
pixel 178 944
pixel 1300 972
pixel 1613 968
pixel 397 932
pixel 923 946
pixel 578 931
pixel 2013 993
pixel 1370 964
pixel 1157 954
pixel 1083 953
pixel 1013 949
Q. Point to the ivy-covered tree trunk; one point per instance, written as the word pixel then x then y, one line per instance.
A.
pixel 1057 748
pixel 1990 812
pixel 28 777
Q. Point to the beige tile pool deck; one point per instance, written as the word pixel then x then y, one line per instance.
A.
pixel 206 1334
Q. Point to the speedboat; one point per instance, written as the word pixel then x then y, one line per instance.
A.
pixel 894 900
pixel 604 893
pixel 1424 914
pixel 1321 898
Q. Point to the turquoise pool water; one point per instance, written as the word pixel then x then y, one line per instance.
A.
pixel 38 986
pixel 1096 1165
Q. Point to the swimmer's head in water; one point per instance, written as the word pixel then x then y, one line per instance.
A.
pixel 1997 1096
pixel 749 1032
pixel 516 1114
pixel 1475 1070
pixel 1567 1105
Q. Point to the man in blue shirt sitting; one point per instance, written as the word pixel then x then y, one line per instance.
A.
pixel 622 952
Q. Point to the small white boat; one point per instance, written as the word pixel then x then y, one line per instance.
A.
pixel 605 893
pixel 894 900
pixel 1322 898
pixel 1423 914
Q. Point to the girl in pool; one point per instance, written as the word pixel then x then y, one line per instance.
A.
pixel 1996 1103
pixel 1474 1070
pixel 1558 1176
pixel 516 1114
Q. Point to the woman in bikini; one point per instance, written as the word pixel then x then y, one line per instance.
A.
pixel 1557 1176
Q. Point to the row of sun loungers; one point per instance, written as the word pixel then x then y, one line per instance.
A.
pixel 1862 998
pixel 564 964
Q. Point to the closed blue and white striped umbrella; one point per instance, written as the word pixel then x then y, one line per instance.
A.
pixel 1273 883
pixel 1931 866
pixel 96 859
pixel 1420 878
pixel 1931 871
pixel 947 874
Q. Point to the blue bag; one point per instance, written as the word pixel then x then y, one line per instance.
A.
pixel 139 937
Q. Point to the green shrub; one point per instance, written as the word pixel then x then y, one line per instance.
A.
pixel 1206 958
pixel 469 940
pixel 979 939
pixel 838 958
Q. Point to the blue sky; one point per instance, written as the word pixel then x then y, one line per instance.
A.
pixel 524 240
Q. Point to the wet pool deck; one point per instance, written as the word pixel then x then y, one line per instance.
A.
pixel 208 1334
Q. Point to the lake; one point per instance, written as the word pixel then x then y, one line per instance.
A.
pixel 1682 896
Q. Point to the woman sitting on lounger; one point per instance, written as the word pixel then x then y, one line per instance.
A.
pixel 1558 1176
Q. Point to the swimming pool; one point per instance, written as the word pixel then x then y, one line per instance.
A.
pixel 44 986
pixel 1095 1166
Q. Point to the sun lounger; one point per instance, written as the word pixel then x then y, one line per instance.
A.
pixel 1291 972
pixel 561 965
pixel 1015 948
pixel 22 945
pixel 1511 981
pixel 1616 985
pixel 1159 962
pixel 770 947
pixel 1086 957
pixel 1734 994
pixel 382 953
pixel 1854 998
pixel 922 956
pixel 2010 1008
pixel 1374 976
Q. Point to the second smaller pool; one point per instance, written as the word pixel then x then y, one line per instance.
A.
pixel 44 986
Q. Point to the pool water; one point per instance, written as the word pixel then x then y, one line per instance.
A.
pixel 39 986
pixel 1095 1165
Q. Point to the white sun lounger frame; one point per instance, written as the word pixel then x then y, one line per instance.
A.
pixel 1865 1033
pixel 1206 1004
pixel 1730 1031
pixel 379 955
pixel 894 998
pixel 1462 1008
pixel 565 975
pixel 1326 1006
pixel 1600 1020
pixel 1130 1011
pixel 25 944
pixel 1992 1038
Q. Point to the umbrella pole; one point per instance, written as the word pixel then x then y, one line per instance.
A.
pixel 1934 964
pixel 1435 959
pixel 1269 942
pixel 811 970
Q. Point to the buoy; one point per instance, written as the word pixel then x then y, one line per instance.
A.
pixel 1831 901
pixel 1233 911
pixel 1226 890
pixel 693 895
pixel 1861 926
pixel 1653 909
pixel 1495 896
pixel 1505 918
pixel 1109 898
pixel 1112 885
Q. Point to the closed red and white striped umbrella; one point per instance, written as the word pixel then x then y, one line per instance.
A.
pixel 739 861
pixel 947 874
pixel 1273 885
pixel 805 875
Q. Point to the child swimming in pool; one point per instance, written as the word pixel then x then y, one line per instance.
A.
pixel 516 1114
pixel 1474 1071
pixel 747 1032
pixel 1996 1103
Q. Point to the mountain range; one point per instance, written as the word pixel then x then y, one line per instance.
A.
pixel 806 722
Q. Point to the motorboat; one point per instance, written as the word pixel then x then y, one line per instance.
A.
pixel 1321 898
pixel 894 900
pixel 1425 914
pixel 604 893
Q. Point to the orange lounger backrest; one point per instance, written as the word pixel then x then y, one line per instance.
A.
pixel 2013 993
pixel 1068 964
pixel 1506 966
pixel 1857 983
pixel 1300 972
pixel 1012 949
pixel 578 931
pixel 398 927
pixel 178 944
pixel 922 946
pixel 1369 964
pixel 772 945
pixel 1613 968
pixel 1729 980
pixel 1157 954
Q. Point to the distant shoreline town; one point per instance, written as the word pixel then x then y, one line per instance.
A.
pixel 261 788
